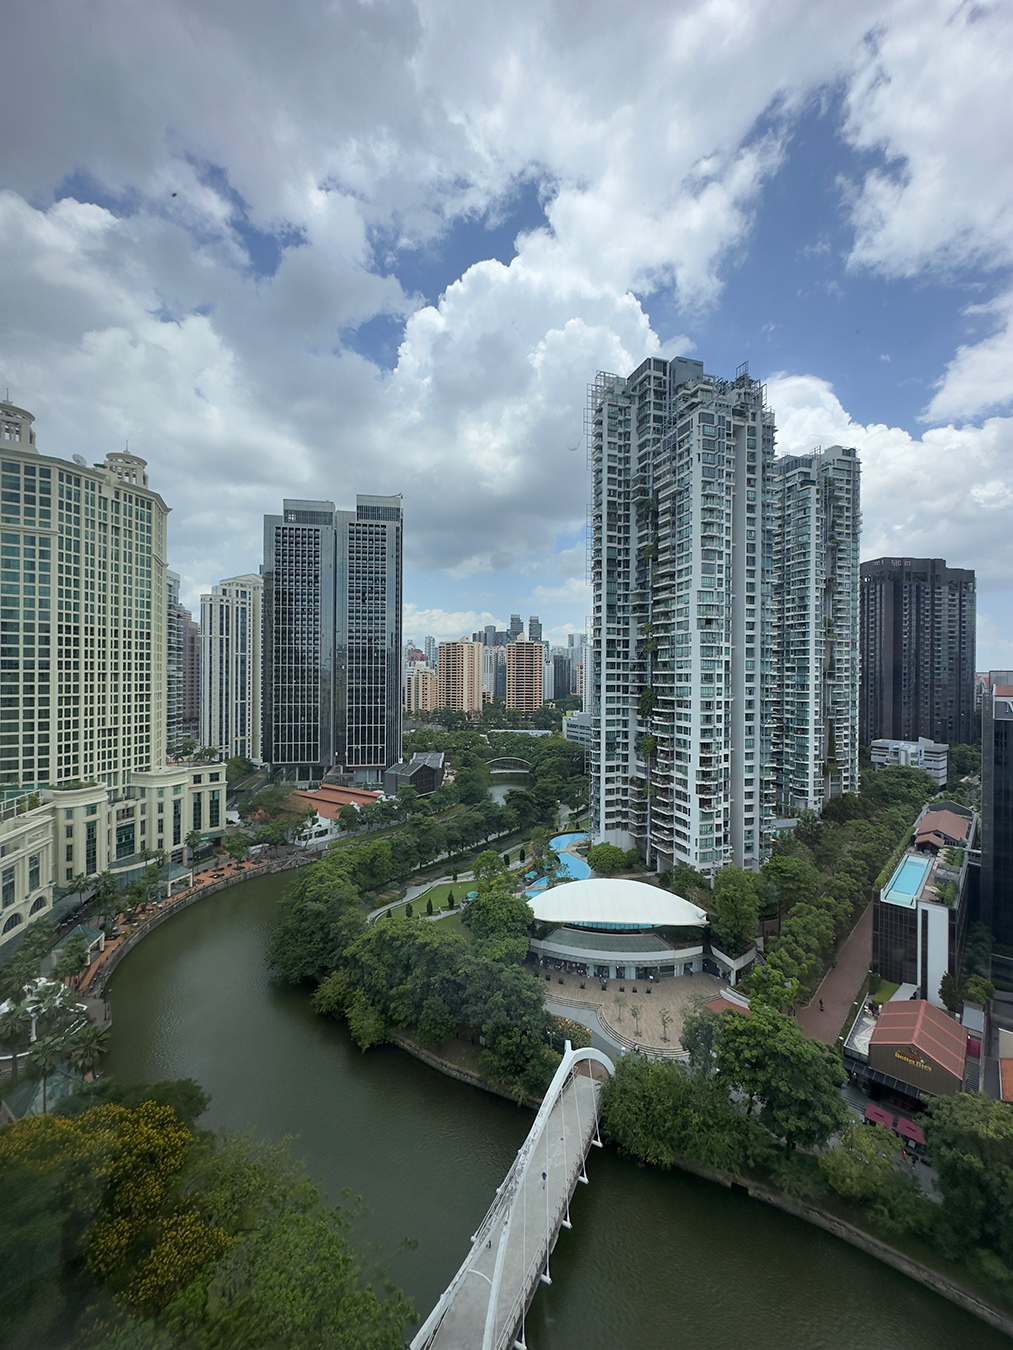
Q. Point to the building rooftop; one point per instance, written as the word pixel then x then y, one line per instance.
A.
pixel 328 799
pixel 916 1023
pixel 601 902
pixel 944 825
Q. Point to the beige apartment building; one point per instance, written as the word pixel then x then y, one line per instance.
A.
pixel 422 690
pixel 524 661
pixel 459 676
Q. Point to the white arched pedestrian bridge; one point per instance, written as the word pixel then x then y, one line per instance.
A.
pixel 484 1305
pixel 508 764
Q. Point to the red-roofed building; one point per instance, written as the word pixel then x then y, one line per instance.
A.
pixel 722 1004
pixel 328 799
pixel 938 828
pixel 919 1046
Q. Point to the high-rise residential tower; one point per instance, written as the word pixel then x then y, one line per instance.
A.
pixel 84 614
pixel 815 523
pixel 679 627
pixel 231 666
pixel 916 636
pixel 459 676
pixel 996 909
pixel 524 675
pixel 332 638
pixel 174 654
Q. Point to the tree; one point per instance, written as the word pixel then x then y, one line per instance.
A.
pixel 237 768
pixel 789 881
pixel 87 1046
pixel 365 1022
pixel 237 846
pixel 949 992
pixel 47 1054
pixel 620 1002
pixel 488 866
pixel 971 1140
pixel 606 860
pixel 978 989
pixel 635 1011
pixel 192 841
pixel 348 817
pixel 767 1058
pixel 666 1022
pixel 15 1026
pixel 736 910
pixel 72 960
pixel 437 1022
pixel 500 922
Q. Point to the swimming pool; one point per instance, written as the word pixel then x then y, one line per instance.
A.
pixel 907 880
pixel 571 868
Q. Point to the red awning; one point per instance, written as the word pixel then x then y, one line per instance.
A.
pixel 907 1129
pixel 875 1115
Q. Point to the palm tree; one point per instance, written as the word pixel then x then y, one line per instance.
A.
pixel 87 1047
pixel 15 1025
pixel 192 841
pixel 47 1054
pixel 73 960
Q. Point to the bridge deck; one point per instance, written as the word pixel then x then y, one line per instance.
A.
pixel 519 1230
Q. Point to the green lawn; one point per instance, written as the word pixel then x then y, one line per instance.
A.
pixel 885 991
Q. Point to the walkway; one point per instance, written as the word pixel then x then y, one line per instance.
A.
pixel 840 985
pixel 678 996
pixel 484 1305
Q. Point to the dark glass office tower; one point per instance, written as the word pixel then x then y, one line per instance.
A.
pixel 916 636
pixel 997 806
pixel 332 638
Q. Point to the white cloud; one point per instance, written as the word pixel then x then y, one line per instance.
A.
pixel 930 94
pixel 980 377
pixel 420 623
pixel 945 494
pixel 358 129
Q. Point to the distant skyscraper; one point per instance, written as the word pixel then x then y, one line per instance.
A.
pixel 916 637
pixel 332 638
pixel 189 707
pixel 997 806
pixel 516 626
pixel 429 647
pixel 816 526
pixel 679 624
pixel 231 666
pixel 460 676
pixel 174 612
pixel 524 675
pixel 534 629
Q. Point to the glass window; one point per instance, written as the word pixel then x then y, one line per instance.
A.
pixel 7 886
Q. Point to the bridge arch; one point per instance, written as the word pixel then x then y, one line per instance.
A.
pixel 509 764
pixel 485 1303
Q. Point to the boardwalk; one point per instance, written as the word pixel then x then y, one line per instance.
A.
pixel 840 985
pixel 484 1305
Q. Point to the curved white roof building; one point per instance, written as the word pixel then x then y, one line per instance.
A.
pixel 600 902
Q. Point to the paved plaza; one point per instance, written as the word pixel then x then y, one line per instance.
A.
pixel 680 995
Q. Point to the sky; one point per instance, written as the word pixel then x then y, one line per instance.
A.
pixel 315 249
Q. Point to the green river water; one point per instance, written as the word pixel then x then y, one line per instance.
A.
pixel 652 1260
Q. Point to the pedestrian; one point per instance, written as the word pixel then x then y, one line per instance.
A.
pixel 822 1009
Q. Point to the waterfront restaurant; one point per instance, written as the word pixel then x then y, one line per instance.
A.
pixel 910 1048
pixel 606 928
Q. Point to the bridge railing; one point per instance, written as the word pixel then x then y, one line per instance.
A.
pixel 503 1202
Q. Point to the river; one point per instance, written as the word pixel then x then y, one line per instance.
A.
pixel 653 1259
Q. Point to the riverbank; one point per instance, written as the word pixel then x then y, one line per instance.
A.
pixel 932 1279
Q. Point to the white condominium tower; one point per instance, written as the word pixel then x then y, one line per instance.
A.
pixel 815 523
pixel 83 615
pixel 678 628
pixel 230 666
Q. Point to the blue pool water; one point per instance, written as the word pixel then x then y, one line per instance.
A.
pixel 573 869
pixel 906 880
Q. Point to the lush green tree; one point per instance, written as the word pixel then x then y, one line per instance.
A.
pixel 977 989
pixel 660 1114
pixel 736 910
pixel 236 845
pixel 767 1058
pixel 699 1038
pixel 864 1168
pixel 365 1022
pixel 970 1137
pixel 949 992
pixel 237 768
pixel 72 961
pixel 518 1060
pixel 436 1022
pixel 964 761
pixel 15 1029
pixel 472 782
pixel 488 866
pixel 186 1098
pixel 606 860
pixel 47 1053
pixel 315 923
pixel 788 882
pixel 348 817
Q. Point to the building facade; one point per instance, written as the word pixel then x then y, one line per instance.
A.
pixel 85 680
pixel 524 675
pixel 815 524
pixel 459 676
pixel 332 638
pixel 189 711
pixel 997 806
pixel 84 615
pixel 916 637
pixel 422 692
pixel 231 666
pixel 679 626
pixel 534 628
pixel 923 754
pixel 174 649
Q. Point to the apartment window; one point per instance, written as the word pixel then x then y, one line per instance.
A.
pixel 7 886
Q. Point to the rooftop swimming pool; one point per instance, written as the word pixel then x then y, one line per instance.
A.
pixel 907 880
